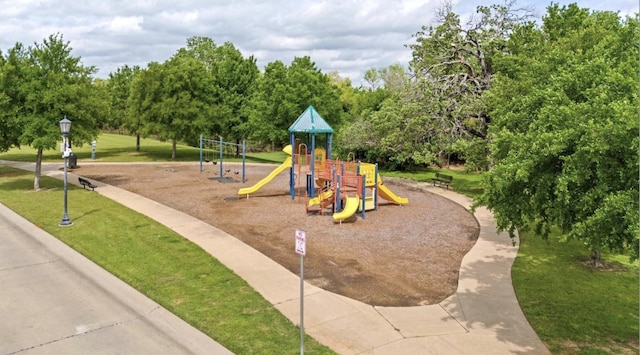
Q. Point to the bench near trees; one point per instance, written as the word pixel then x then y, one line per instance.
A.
pixel 86 183
pixel 442 179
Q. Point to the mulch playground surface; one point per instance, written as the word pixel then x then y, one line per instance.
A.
pixel 397 256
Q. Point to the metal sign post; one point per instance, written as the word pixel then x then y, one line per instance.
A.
pixel 301 239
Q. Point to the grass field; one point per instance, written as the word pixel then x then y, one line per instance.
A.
pixel 121 148
pixel 573 308
pixel 169 269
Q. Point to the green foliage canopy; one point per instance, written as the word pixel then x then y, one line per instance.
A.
pixel 119 89
pixel 453 63
pixel 174 100
pixel 234 80
pixel 41 85
pixel 564 137
pixel 12 71
pixel 283 93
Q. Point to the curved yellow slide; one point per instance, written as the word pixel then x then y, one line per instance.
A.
pixel 386 194
pixel 251 189
pixel 349 210
pixel 318 199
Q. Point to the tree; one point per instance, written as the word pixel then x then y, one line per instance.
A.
pixel 49 84
pixel 12 71
pixel 453 67
pixel 348 94
pixel 234 78
pixel 174 100
pixel 392 126
pixel 372 77
pixel 283 93
pixel 309 86
pixel 564 132
pixel 119 88
pixel 269 109
pixel 101 95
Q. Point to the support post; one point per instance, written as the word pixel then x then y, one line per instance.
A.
pixel 301 304
pixel 244 153
pixel 221 149
pixel 201 153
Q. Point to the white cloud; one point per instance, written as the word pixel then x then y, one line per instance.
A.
pixel 179 17
pixel 349 36
pixel 125 24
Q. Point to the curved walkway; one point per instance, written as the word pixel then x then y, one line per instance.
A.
pixel 482 317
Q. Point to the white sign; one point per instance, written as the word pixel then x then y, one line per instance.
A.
pixel 301 238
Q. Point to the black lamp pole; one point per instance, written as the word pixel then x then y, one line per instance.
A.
pixel 65 126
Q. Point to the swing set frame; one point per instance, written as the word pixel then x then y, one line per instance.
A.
pixel 222 144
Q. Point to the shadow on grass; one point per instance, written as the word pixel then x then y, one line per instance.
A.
pixel 84 214
pixel 23 183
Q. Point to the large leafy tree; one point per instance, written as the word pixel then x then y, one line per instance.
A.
pixel 101 94
pixel 173 100
pixel 269 108
pixel 564 132
pixel 283 93
pixel 119 90
pixel 453 67
pixel 47 84
pixel 386 127
pixel 309 86
pixel 233 77
pixel 12 70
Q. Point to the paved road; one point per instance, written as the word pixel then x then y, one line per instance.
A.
pixel 55 301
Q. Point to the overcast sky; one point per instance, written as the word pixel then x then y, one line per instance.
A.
pixel 346 36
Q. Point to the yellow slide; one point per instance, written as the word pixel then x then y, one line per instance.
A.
pixel 249 190
pixel 349 210
pixel 318 199
pixel 386 194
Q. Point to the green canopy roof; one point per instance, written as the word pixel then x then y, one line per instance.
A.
pixel 310 121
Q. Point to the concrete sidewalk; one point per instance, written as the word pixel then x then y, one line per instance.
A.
pixel 55 301
pixel 482 317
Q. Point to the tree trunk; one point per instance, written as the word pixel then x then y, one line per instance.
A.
pixel 596 258
pixel 137 142
pixel 36 180
pixel 173 149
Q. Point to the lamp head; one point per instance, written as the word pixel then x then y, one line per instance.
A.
pixel 65 126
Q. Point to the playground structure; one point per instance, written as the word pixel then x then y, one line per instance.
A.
pixel 219 152
pixel 345 187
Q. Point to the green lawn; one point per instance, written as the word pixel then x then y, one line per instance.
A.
pixel 464 183
pixel 573 308
pixel 121 148
pixel 161 264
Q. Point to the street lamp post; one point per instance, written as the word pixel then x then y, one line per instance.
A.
pixel 65 126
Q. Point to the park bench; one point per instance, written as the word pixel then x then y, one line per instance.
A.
pixel 86 183
pixel 442 179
